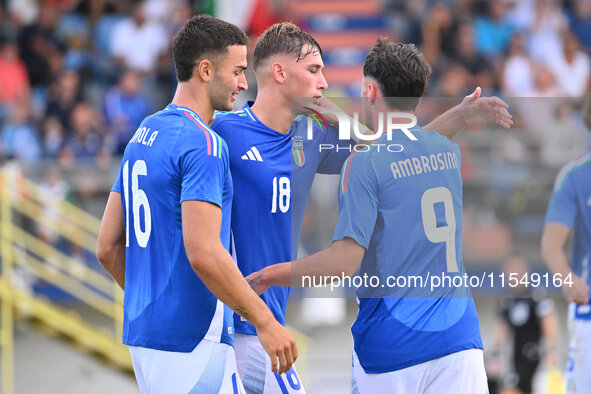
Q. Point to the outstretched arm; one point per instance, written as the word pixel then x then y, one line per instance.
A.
pixel 473 110
pixel 342 258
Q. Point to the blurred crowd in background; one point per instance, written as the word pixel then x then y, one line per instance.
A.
pixel 77 77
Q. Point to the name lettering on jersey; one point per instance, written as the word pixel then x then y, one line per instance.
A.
pixel 141 137
pixel 424 164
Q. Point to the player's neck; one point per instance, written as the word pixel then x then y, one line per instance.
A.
pixel 273 113
pixel 194 99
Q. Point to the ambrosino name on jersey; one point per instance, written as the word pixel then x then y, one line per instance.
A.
pixel 424 164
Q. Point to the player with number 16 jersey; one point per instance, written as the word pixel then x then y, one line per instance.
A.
pixel 183 159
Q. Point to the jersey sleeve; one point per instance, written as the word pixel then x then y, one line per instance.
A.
pixel 563 205
pixel 358 200
pixel 202 167
pixel 332 160
pixel 117 185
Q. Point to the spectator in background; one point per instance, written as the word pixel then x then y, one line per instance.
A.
pixel 545 84
pixel 137 43
pixel 579 20
pixel 40 47
pixel 493 31
pixel 437 30
pixel 83 144
pixel 73 30
pixel 124 107
pixel 533 326
pixel 53 137
pixel 518 73
pixel 571 66
pixel 19 138
pixel 14 82
pixel 465 55
pixel 103 66
pixel 543 34
pixel 564 138
pixel 64 94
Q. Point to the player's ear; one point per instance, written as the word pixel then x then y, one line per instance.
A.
pixel 278 72
pixel 372 91
pixel 205 70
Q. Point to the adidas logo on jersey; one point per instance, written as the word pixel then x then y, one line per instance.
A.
pixel 252 154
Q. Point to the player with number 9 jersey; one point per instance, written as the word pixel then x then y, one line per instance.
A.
pixel 405 210
pixel 173 157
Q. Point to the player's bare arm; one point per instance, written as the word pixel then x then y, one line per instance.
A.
pixel 472 111
pixel 554 239
pixel 342 258
pixel 212 263
pixel 110 247
pixel 549 324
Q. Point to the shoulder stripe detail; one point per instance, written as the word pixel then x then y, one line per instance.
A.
pixel 249 114
pixel 205 131
pixel 346 168
pixel 567 169
pixel 214 148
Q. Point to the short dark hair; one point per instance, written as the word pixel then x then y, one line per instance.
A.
pixel 400 70
pixel 201 36
pixel 284 37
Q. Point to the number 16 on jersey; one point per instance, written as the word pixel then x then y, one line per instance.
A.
pixel 138 200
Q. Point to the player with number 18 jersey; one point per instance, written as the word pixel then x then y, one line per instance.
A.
pixel 272 174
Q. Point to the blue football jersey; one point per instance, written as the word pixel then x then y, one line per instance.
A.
pixel 173 157
pixel 405 209
pixel 272 174
pixel 571 205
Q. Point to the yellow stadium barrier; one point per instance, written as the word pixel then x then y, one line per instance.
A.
pixel 41 260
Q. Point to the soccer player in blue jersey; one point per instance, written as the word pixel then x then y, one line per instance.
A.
pixel 165 233
pixel 273 165
pixel 400 214
pixel 569 211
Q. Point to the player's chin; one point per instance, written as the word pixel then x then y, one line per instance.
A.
pixel 224 106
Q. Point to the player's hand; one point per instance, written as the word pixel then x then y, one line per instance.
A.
pixel 279 345
pixel 257 282
pixel 324 103
pixel 578 292
pixel 476 110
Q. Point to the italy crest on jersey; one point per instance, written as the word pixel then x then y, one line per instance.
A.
pixel 297 150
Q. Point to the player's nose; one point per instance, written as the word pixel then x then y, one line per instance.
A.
pixel 242 83
pixel 322 83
